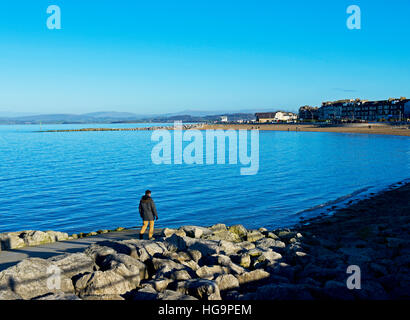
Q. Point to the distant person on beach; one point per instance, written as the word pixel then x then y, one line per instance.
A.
pixel 148 213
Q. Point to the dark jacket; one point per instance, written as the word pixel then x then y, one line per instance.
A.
pixel 147 209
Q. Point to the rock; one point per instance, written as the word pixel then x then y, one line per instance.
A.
pixel 35 238
pixel 11 241
pixel 161 284
pixel 141 249
pixel 218 227
pixel 267 257
pixel 195 232
pixel 285 235
pixel 253 236
pixel 283 292
pixel 228 247
pixel 98 252
pixel 169 269
pixel 196 255
pixel 135 266
pixel 223 235
pixel 199 288
pixel 206 247
pixel 167 232
pixel 252 276
pixel 57 236
pixel 34 277
pixel 191 264
pixel 99 283
pixel 72 264
pixel 269 243
pixel 246 245
pixel 8 295
pixel 244 260
pixel 58 296
pixel 174 295
pixel 206 272
pixel 239 230
pixel 227 282
pixel 272 236
pixel 130 268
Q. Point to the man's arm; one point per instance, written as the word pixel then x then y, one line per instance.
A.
pixel 140 209
pixel 154 209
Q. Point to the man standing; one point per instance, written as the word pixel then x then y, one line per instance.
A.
pixel 148 213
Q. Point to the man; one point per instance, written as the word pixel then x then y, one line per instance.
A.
pixel 148 213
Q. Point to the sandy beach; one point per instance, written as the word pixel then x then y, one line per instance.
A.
pixel 353 128
pixel 362 128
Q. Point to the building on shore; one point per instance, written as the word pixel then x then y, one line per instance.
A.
pixel 395 109
pixel 278 116
pixel 308 113
pixel 223 119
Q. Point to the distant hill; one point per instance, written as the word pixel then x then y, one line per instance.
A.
pixel 123 117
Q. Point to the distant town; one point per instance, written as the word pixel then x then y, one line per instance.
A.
pixel 340 111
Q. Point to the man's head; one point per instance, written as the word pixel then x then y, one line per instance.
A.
pixel 148 193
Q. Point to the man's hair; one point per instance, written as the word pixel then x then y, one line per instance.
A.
pixel 147 192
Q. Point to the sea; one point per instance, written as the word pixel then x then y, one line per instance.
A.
pixel 86 181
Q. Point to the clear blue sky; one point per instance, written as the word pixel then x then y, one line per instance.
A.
pixel 168 56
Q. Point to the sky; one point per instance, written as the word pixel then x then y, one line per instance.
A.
pixel 167 56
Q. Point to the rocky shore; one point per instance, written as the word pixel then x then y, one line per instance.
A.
pixel 309 261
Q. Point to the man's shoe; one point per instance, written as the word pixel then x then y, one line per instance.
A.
pixel 141 236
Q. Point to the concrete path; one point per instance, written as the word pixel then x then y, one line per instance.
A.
pixel 9 258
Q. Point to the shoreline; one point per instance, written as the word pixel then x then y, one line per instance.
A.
pixel 308 261
pixel 380 129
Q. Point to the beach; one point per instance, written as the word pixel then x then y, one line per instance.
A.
pixel 347 128
pixel 309 261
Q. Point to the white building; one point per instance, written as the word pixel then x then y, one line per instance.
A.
pixel 223 119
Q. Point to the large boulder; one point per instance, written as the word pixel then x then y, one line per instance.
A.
pixel 134 266
pixel 239 230
pixel 195 232
pixel 199 288
pixel 269 243
pixel 109 282
pixel 212 272
pixel 227 282
pixel 11 240
pixel 254 235
pixel 72 264
pixel 57 236
pixel 223 235
pixel 34 277
pixel 206 247
pixel 252 276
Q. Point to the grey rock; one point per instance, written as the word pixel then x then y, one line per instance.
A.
pixel 199 288
pixel 227 282
pixel 252 276
pixel 32 278
pixel 98 283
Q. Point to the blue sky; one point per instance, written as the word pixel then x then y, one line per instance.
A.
pixel 168 56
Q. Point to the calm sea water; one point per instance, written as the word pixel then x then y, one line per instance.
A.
pixel 85 181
